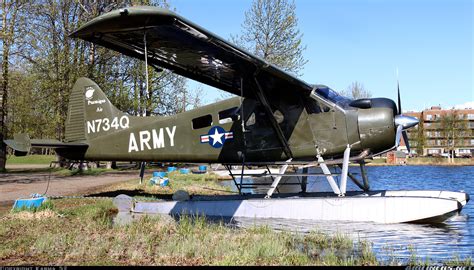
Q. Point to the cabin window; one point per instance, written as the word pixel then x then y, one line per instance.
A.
pixel 229 115
pixel 202 122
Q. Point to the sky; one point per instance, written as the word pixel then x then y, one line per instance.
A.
pixel 430 42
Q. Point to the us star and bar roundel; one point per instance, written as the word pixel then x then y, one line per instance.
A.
pixel 217 136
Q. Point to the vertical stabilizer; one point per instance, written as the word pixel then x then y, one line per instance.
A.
pixel 91 114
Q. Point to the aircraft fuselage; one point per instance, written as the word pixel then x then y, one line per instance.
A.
pixel 214 133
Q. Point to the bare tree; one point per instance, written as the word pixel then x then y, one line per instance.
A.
pixel 196 98
pixel 270 31
pixel 356 91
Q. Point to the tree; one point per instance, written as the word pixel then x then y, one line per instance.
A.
pixel 356 91
pixel 11 19
pixel 40 65
pixel 420 138
pixel 270 31
pixel 454 130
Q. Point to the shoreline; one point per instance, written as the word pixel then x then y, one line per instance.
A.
pixel 419 164
pixel 93 237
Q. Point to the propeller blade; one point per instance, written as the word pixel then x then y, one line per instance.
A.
pixel 399 100
pixel 398 135
pixel 405 138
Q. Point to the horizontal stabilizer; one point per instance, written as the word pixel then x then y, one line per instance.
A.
pixel 22 144
pixel 56 144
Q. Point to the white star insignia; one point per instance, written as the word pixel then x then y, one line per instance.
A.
pixel 217 137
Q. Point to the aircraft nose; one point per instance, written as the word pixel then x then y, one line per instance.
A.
pixel 406 121
pixel 376 128
pixel 369 103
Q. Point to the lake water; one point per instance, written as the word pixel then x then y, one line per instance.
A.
pixel 454 237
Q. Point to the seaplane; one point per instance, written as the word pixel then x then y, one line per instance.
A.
pixel 275 119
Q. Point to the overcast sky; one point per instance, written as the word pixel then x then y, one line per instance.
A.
pixel 431 43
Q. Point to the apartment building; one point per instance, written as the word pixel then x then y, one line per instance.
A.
pixel 437 141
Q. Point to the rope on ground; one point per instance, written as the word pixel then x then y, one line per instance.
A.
pixel 55 197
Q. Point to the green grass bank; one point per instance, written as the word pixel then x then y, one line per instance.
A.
pixel 82 232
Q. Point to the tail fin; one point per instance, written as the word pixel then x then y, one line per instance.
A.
pixel 91 114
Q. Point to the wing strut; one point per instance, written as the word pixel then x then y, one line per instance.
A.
pixel 146 73
pixel 261 97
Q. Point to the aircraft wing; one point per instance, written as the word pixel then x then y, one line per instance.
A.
pixel 187 49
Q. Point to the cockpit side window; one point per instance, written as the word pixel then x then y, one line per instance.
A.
pixel 311 106
pixel 331 95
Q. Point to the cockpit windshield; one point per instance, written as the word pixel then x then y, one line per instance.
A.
pixel 331 95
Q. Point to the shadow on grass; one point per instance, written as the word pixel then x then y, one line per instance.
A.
pixel 132 193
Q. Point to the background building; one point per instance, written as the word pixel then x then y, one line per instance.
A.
pixel 441 132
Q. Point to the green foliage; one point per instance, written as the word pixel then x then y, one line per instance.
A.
pixel 270 31
pixel 420 138
pixel 457 261
pixel 454 129
pixel 50 62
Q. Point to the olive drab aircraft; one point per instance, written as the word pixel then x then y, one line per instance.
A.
pixel 275 118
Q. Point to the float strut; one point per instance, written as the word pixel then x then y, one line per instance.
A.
pixel 345 169
pixel 328 174
pixel 277 179
pixel 354 179
pixel 364 176
pixel 365 185
pixel 304 181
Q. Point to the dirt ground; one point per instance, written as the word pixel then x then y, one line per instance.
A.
pixel 14 185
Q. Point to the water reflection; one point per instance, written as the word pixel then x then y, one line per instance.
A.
pixel 431 242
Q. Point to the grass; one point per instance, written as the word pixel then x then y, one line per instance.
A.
pixel 31 159
pixel 82 232
pixel 194 184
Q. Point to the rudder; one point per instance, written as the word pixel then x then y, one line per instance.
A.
pixel 90 113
